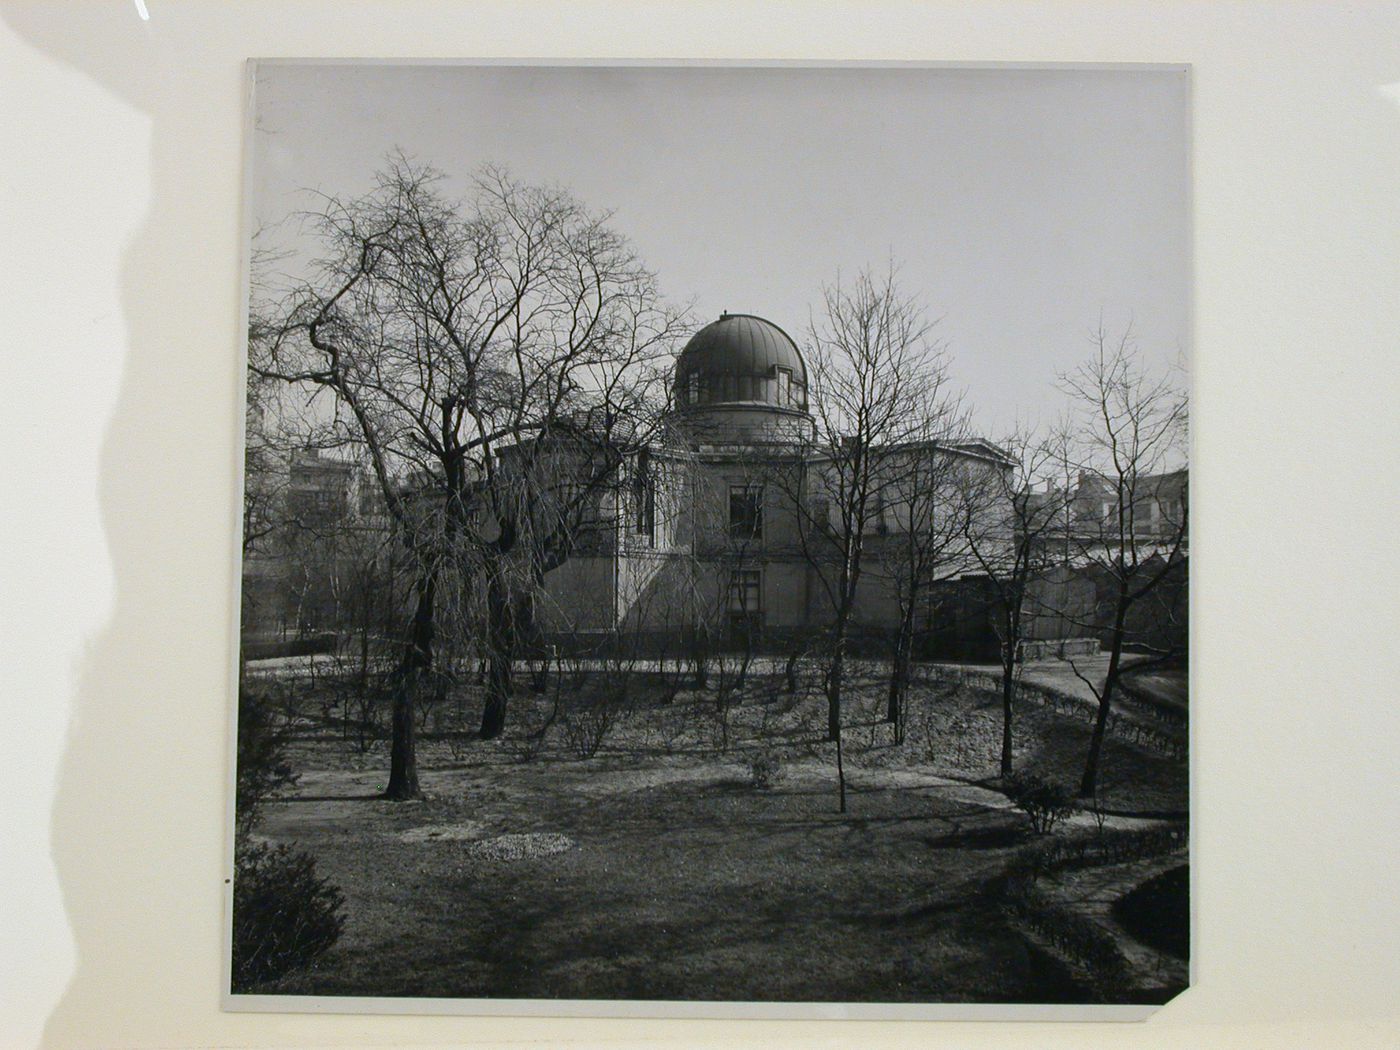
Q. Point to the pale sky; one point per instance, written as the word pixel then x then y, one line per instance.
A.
pixel 1020 204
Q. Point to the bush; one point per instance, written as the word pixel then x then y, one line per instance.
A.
pixel 1043 801
pixel 284 915
pixel 262 765
pixel 533 720
pixel 270 649
pixel 588 721
pixel 764 769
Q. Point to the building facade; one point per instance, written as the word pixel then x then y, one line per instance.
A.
pixel 722 524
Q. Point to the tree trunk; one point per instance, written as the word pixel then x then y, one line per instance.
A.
pixel 1008 696
pixel 835 672
pixel 417 658
pixel 745 660
pixel 500 640
pixel 364 656
pixel 899 673
pixel 840 774
pixel 1011 627
pixel 1089 785
pixel 699 654
pixel 790 671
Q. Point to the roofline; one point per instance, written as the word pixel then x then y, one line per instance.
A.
pixel 975 448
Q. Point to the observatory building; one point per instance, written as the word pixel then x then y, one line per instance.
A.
pixel 716 523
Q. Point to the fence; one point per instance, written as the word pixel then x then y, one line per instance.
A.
pixel 1074 935
pixel 1125 729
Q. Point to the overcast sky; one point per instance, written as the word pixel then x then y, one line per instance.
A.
pixel 1019 204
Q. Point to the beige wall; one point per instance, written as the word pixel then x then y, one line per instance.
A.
pixel 578 596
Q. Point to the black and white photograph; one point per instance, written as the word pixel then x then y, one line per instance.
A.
pixel 714 533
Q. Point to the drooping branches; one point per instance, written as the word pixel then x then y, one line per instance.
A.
pixel 466 350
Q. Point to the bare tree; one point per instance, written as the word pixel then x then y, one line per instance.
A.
pixel 873 363
pixel 1009 517
pixel 1127 519
pixel 920 522
pixel 458 347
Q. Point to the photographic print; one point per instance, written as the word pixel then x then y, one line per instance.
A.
pixel 714 534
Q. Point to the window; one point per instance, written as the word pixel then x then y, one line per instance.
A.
pixel 784 386
pixel 746 590
pixel 693 388
pixel 569 499
pixel 745 512
pixel 644 498
pixel 649 513
pixel 877 522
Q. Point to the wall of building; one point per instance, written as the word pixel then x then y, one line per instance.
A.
pixel 578 596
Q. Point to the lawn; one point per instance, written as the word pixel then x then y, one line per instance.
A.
pixel 676 877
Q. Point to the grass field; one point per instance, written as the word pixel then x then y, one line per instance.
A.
pixel 676 877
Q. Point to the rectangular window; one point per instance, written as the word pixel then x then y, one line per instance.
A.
pixel 876 523
pixel 745 512
pixel 692 388
pixel 649 513
pixel 784 386
pixel 644 498
pixel 746 591
pixel 569 503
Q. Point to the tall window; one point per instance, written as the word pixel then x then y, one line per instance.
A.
pixel 877 523
pixel 745 512
pixel 746 590
pixel 784 386
pixel 644 499
pixel 569 498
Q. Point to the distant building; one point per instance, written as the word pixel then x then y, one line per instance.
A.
pixel 293 578
pixel 320 490
pixel 1091 529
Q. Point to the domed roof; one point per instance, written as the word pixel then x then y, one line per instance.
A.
pixel 739 358
pixel 741 344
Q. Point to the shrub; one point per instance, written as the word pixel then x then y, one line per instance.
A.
pixel 262 765
pixel 268 649
pixel 764 769
pixel 1043 801
pixel 590 716
pixel 532 723
pixel 284 915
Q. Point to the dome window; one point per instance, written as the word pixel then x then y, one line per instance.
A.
pixel 784 385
